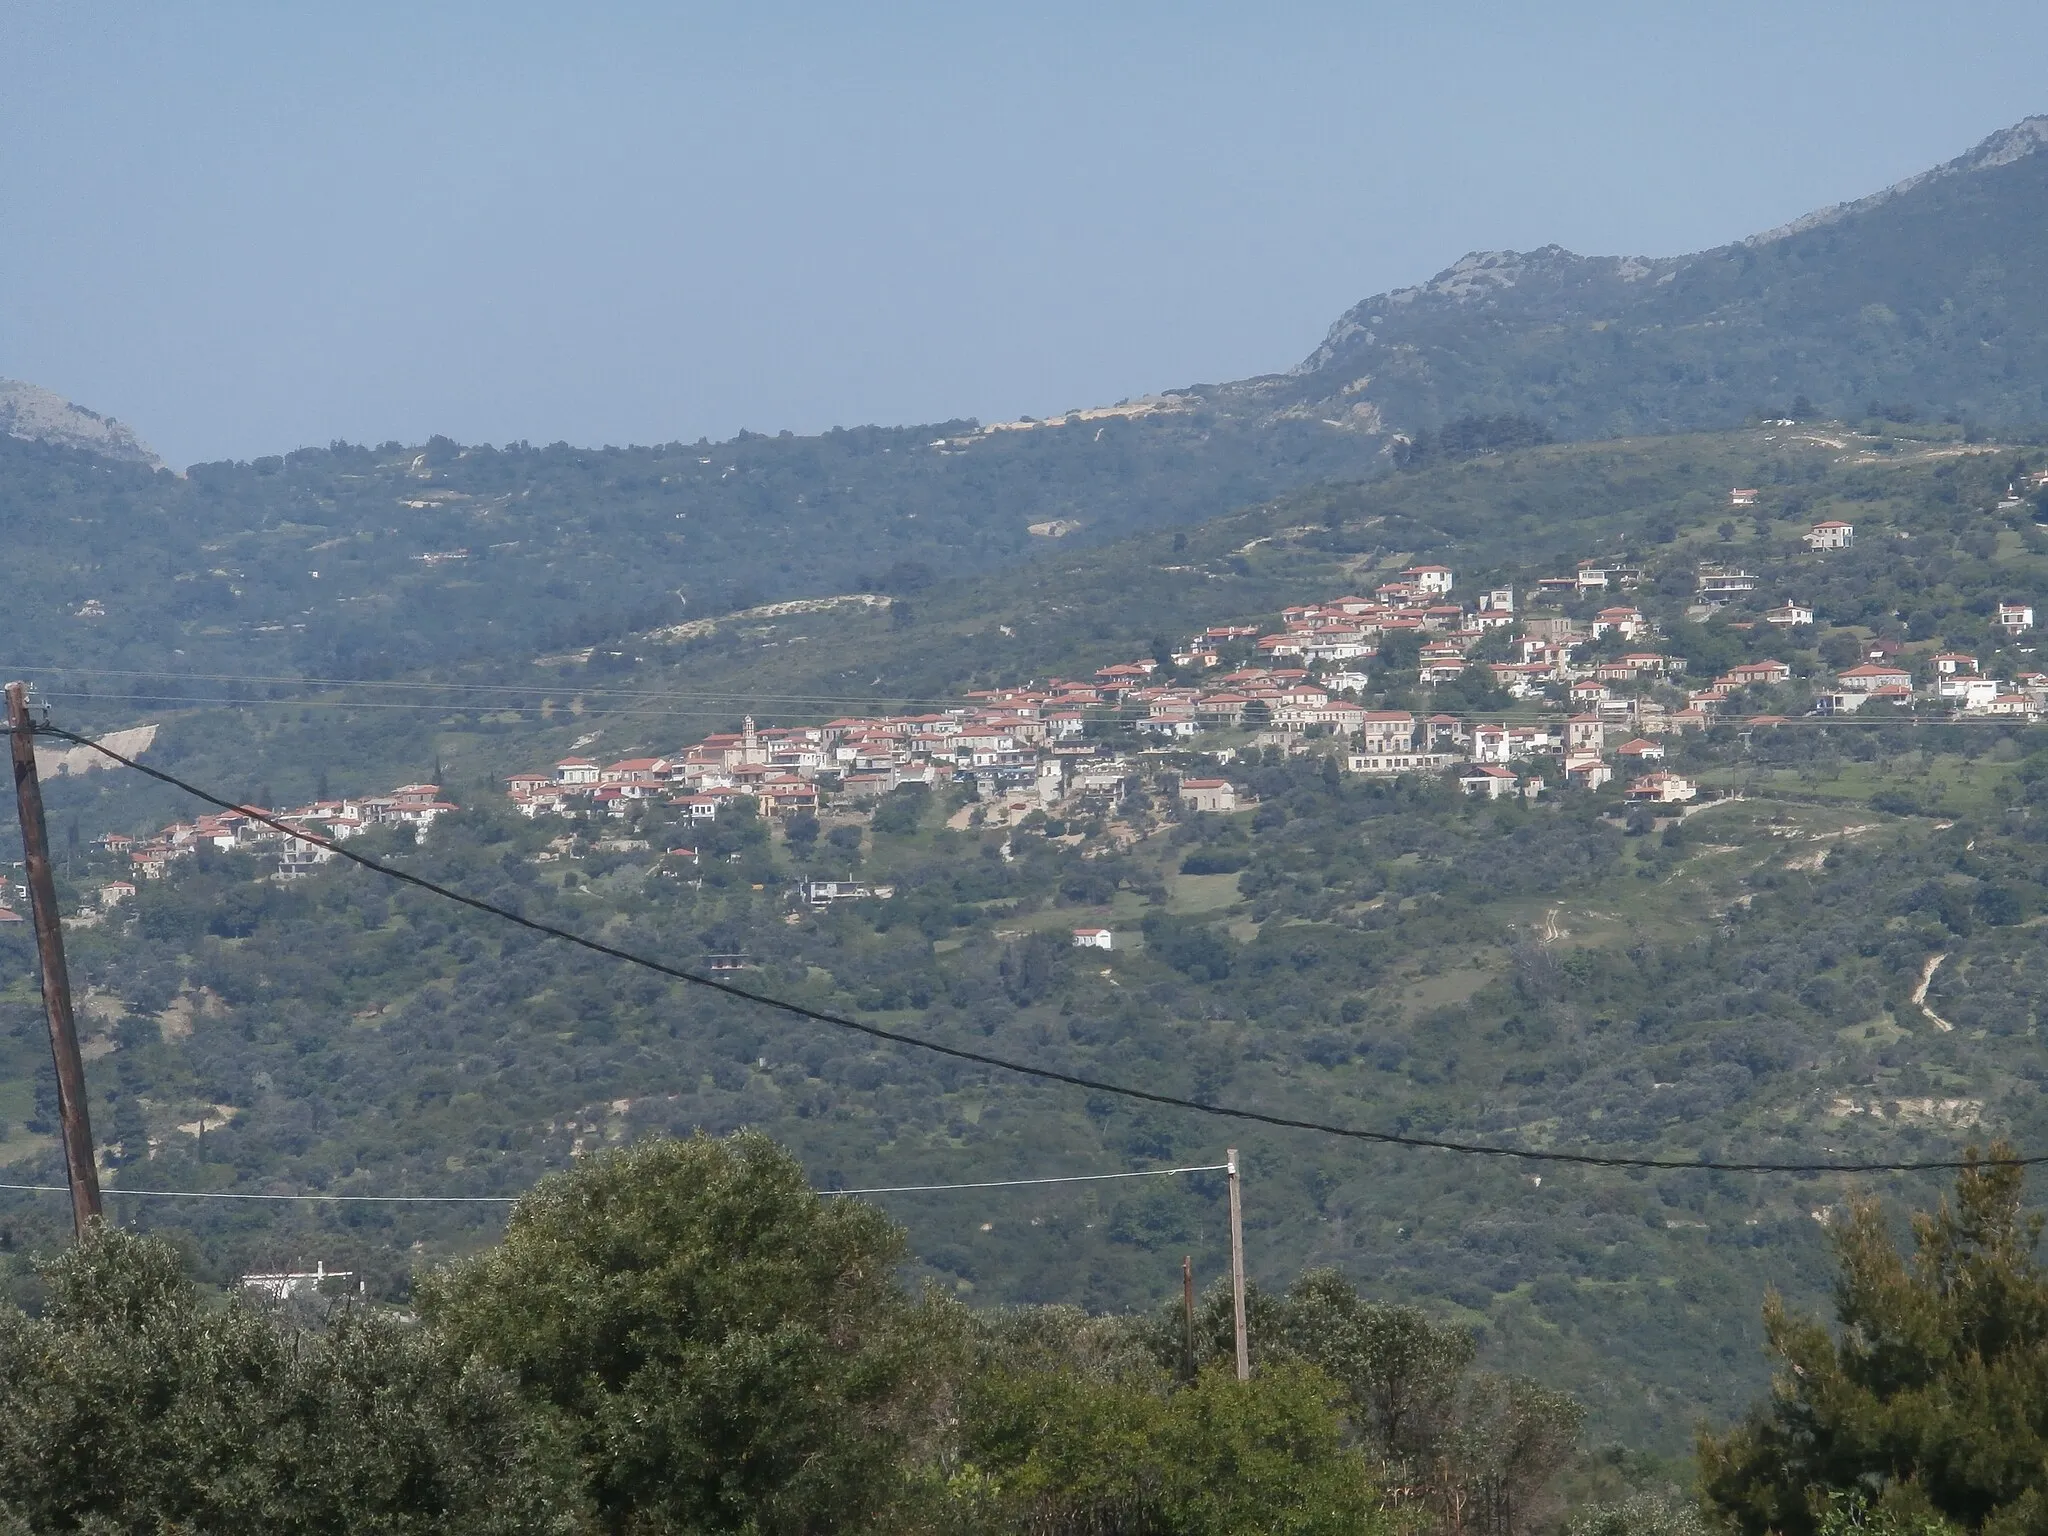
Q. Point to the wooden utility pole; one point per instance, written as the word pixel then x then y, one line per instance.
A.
pixel 1187 1313
pixel 1244 1353
pixel 79 1168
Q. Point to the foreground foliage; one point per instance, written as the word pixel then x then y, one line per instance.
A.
pixel 730 1351
pixel 131 1405
pixel 1934 1392
pixel 681 1336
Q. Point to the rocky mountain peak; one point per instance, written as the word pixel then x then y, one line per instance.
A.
pixel 39 415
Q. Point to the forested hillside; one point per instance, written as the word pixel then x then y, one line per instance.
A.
pixel 356 562
pixel 1749 979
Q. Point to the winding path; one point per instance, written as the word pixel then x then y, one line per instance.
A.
pixel 1920 992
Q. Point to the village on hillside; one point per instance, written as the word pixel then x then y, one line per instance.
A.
pixel 249 830
pixel 1595 693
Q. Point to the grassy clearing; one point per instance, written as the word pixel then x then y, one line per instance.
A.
pixel 1200 893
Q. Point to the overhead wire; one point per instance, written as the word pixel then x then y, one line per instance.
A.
pixel 1026 1069
pixel 319 1196
pixel 1063 1178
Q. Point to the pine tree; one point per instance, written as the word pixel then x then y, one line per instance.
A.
pixel 1932 1393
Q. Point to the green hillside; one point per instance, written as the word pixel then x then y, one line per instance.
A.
pixel 359 563
pixel 1388 954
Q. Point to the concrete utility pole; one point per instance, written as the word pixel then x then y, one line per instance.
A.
pixel 1244 1353
pixel 79 1167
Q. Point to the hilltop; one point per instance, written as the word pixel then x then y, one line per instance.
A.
pixel 38 415
pixel 1923 299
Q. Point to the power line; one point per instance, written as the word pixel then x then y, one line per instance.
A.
pixel 227 1194
pixel 1065 1178
pixel 891 1189
pixel 1004 1064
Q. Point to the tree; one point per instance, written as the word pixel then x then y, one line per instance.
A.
pixel 132 1405
pixel 1060 1451
pixel 729 1350
pixel 1480 1451
pixel 1933 1393
pixel 801 832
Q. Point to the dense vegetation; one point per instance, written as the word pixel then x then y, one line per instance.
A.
pixel 354 562
pixel 684 1337
pixel 1388 954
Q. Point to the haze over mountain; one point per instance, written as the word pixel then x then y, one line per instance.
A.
pixel 38 415
pixel 1928 297
pixel 1928 294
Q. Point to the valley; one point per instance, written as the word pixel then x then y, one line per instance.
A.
pixel 1589 706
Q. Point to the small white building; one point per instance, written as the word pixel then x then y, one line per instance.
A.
pixel 1586 772
pixel 1094 938
pixel 1968 692
pixel 1430 580
pixel 1830 535
pixel 1488 782
pixel 1789 616
pixel 1662 789
pixel 1214 795
pixel 2016 618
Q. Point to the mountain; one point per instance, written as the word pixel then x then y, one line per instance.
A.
pixel 38 415
pixel 1930 296
pixel 1928 300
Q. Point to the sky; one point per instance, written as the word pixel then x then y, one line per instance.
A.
pixel 247 228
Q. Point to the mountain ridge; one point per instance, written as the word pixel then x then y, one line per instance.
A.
pixel 38 415
pixel 1880 297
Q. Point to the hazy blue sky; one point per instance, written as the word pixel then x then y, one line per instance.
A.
pixel 241 228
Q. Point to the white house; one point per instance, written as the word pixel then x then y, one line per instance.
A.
pixel 1430 580
pixel 1662 789
pixel 1790 615
pixel 576 771
pixel 2016 618
pixel 1389 764
pixel 1830 535
pixel 1968 692
pixel 1217 795
pixel 1094 938
pixel 1627 622
pixel 1488 782
pixel 1586 772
